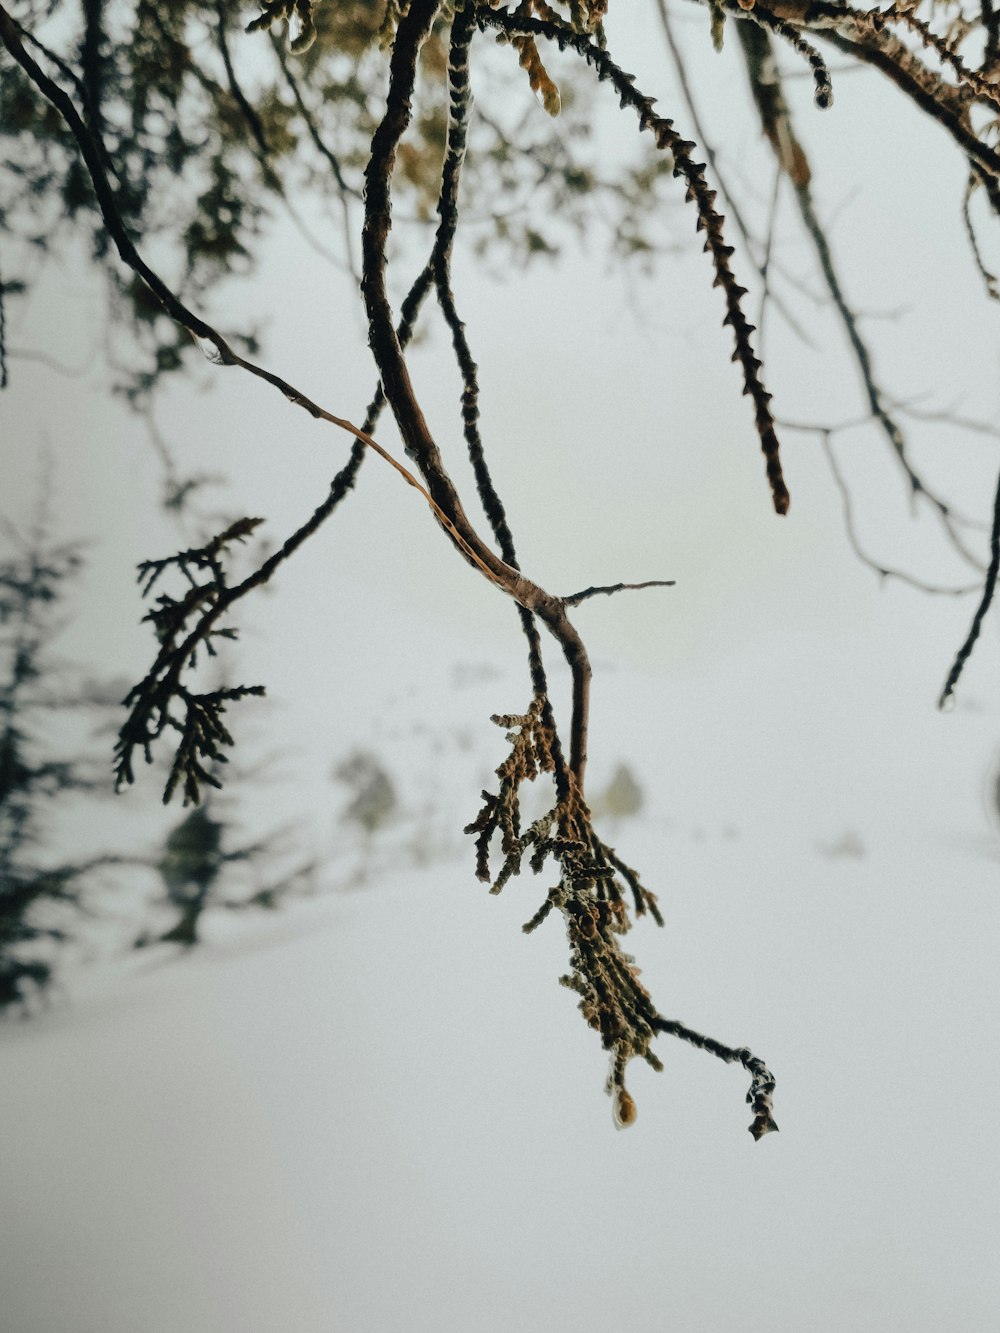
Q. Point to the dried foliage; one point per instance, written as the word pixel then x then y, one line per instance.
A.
pixel 344 113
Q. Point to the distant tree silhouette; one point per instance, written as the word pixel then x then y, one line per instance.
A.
pixel 40 895
pixel 373 797
pixel 192 869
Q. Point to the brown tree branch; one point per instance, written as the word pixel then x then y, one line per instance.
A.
pixel 413 28
pixel 668 139
pixel 776 120
pixel 732 208
pixel 579 597
pixel 908 74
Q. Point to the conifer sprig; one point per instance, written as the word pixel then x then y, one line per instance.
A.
pixel 590 895
pixel 162 702
pixel 710 221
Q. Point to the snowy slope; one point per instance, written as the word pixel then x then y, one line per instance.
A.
pixel 379 1111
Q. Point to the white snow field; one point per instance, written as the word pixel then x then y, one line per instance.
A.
pixel 379 1113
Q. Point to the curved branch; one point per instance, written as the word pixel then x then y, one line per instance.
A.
pixel 905 71
pixel 883 571
pixel 398 388
pixel 459 105
pixel 776 120
pixel 709 221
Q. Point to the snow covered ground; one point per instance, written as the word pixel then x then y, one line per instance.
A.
pixel 378 1111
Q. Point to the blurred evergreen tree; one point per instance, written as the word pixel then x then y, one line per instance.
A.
pixel 373 800
pixel 209 132
pixel 39 893
pixel 192 867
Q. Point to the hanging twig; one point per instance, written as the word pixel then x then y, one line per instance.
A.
pixel 732 208
pixel 776 119
pixel 709 220
pixel 989 588
pixel 883 571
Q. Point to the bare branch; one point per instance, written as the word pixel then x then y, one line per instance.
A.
pixel 732 208
pixel 778 127
pixel 579 597
pixel 883 571
pixel 669 140
pixel 989 588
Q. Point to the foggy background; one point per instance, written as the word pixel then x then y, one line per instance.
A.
pixel 378 1110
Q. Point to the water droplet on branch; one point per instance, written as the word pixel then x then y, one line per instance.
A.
pixel 211 350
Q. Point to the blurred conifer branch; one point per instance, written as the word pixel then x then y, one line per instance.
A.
pixel 42 893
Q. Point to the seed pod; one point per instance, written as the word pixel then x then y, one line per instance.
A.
pixel 624 1109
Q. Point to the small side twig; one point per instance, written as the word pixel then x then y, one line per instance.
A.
pixel 883 571
pixel 762 1081
pixel 989 588
pixel 579 597
pixel 776 120
pixel 989 278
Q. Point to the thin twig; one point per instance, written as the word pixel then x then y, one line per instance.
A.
pixel 883 571
pixel 249 114
pixel 710 221
pixel 579 597
pixel 344 191
pixel 732 208
pixel 989 588
pixel 459 104
pixel 776 118
pixel 761 1086
pixel 989 278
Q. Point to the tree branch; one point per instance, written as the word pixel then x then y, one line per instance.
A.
pixel 776 120
pixel 709 221
pixel 579 597
pixel 989 588
pixel 413 28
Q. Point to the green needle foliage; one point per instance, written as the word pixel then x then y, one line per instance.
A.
pixel 182 127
